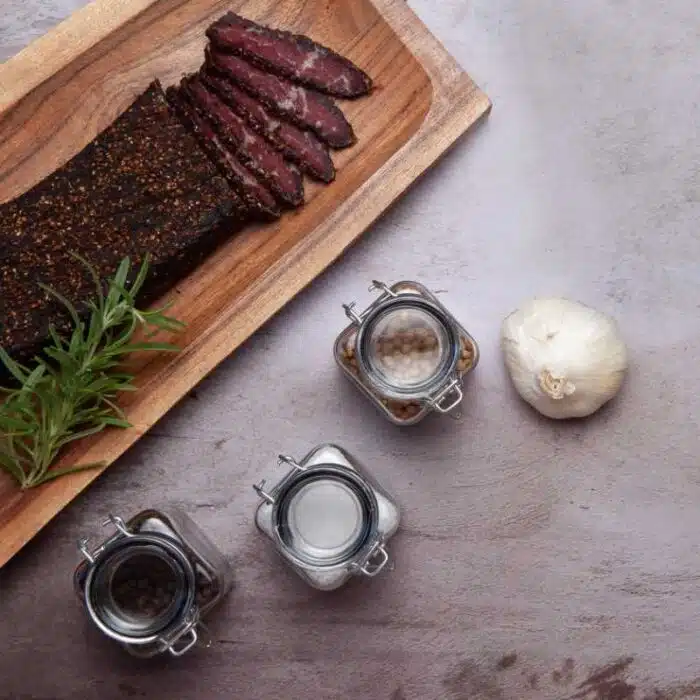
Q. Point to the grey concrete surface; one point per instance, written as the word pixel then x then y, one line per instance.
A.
pixel 536 560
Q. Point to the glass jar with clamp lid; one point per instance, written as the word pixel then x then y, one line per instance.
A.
pixel 328 518
pixel 406 352
pixel 149 585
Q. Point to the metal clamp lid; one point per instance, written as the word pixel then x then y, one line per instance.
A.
pixel 295 529
pixel 189 630
pixel 122 531
pixel 269 497
pixel 440 378
pixel 376 285
pixel 179 651
pixel 374 563
pixel 454 390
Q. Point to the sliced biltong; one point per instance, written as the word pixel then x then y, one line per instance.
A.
pixel 256 196
pixel 306 108
pixel 301 147
pixel 291 56
pixel 256 154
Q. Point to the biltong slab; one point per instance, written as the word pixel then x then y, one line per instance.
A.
pixel 188 212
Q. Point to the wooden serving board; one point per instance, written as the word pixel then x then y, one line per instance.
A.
pixel 58 93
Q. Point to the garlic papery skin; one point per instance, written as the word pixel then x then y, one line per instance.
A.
pixel 564 358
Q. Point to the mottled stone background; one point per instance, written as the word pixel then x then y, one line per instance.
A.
pixel 22 22
pixel 537 561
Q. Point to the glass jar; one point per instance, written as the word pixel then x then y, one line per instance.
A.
pixel 406 352
pixel 149 585
pixel 328 518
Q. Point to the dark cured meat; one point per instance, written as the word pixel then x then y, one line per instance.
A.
pixel 290 55
pixel 251 149
pixel 306 108
pixel 301 147
pixel 257 197
pixel 108 175
pixel 176 248
pixel 194 211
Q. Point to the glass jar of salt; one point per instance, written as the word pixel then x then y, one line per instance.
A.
pixel 406 352
pixel 149 585
pixel 328 518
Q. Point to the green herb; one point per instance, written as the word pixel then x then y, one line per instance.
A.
pixel 70 393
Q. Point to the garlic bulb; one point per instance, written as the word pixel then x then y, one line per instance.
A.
pixel 565 359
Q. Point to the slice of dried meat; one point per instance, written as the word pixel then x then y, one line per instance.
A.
pixel 304 107
pixel 257 197
pixel 264 161
pixel 292 56
pixel 299 146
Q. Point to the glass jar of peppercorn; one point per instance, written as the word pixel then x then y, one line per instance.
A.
pixel 149 585
pixel 406 352
pixel 328 518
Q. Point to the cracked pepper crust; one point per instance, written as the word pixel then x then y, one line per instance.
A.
pixel 143 186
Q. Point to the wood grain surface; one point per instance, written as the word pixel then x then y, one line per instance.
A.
pixel 57 94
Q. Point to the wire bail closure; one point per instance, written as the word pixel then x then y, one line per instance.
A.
pixel 376 285
pixel 121 528
pixel 260 487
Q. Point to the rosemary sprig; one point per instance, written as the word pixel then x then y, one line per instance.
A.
pixel 70 393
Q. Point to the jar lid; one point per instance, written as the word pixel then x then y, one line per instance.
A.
pixel 407 347
pixel 140 587
pixel 325 517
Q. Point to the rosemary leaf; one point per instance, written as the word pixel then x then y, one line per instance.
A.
pixel 70 391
